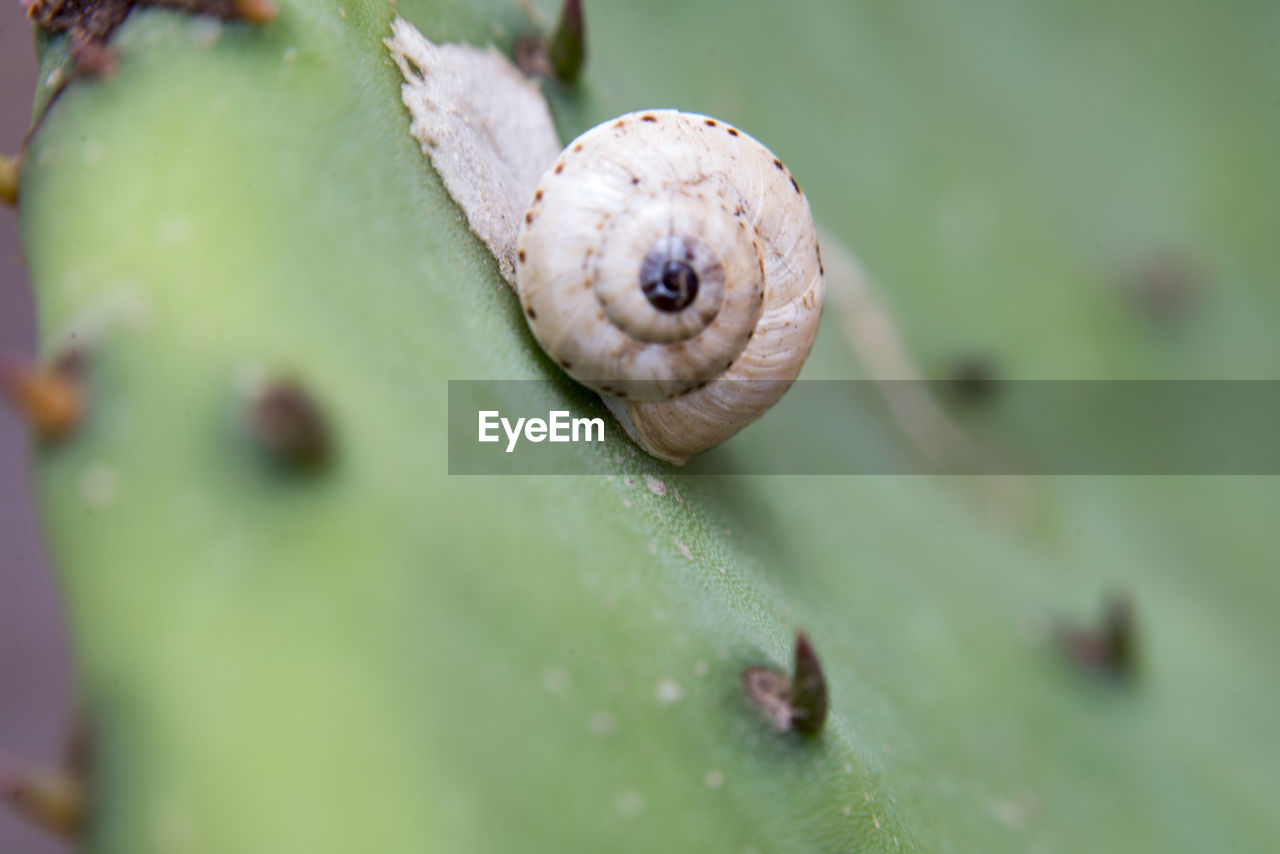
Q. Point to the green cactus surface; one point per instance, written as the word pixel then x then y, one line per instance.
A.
pixel 378 656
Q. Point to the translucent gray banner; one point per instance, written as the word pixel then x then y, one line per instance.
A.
pixel 1073 427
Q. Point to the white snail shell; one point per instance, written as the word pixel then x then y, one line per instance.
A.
pixel 698 211
pixel 669 262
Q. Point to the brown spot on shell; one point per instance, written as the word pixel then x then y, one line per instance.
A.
pixel 709 122
pixel 533 315
pixel 648 118
pixel 564 363
pixel 794 184
pixel 778 163
pixel 732 131
pixel 620 123
pixel 520 256
pixel 537 197
pixel 577 147
pixel 528 217
pixel 559 168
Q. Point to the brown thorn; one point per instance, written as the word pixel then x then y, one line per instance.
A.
pixel 50 798
pixel 808 689
pixel 567 47
pixel 9 178
pixel 798 703
pixel 288 424
pixel 50 399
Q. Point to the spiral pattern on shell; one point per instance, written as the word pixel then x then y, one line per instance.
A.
pixel 669 261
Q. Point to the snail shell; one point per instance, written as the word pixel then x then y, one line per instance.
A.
pixel 669 262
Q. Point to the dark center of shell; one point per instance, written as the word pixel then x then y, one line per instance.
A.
pixel 669 284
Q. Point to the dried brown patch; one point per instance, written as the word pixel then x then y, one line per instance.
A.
pixel 973 378
pixel 1109 649
pixel 771 692
pixel 1167 286
pixel 530 55
pixel 289 425
pixel 98 19
pixel 90 23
